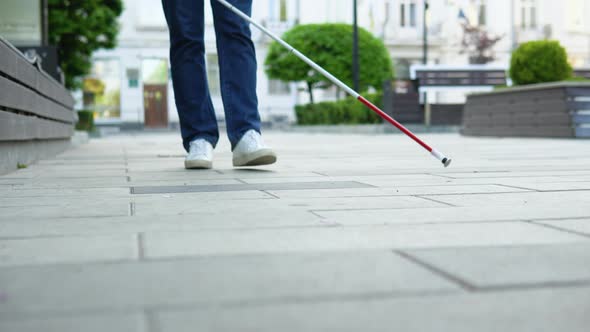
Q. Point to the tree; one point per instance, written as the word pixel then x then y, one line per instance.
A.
pixel 330 46
pixel 77 29
pixel 479 44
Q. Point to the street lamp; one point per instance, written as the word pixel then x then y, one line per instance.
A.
pixel 425 34
pixel 355 48
pixel 44 24
pixel 427 110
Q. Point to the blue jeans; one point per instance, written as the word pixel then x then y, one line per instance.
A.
pixel 237 64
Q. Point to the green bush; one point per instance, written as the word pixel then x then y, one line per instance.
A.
pixel 346 111
pixel 539 62
pixel 577 79
pixel 85 121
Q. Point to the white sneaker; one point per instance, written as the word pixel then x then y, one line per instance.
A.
pixel 251 151
pixel 200 155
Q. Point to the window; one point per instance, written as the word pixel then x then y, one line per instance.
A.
pixel 482 13
pixel 528 14
pixel 475 13
pixel 402 15
pixel 412 14
pixel 19 22
pixel 213 74
pixel 132 77
pixel 154 71
pixel 278 10
pixel 408 16
pixel 102 89
pixel 402 68
pixel 277 87
pixel 283 11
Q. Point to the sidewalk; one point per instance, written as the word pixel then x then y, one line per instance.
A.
pixel 345 233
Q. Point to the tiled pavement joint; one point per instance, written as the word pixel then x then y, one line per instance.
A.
pixel 557 228
pixel 534 286
pixel 270 194
pixel 131 209
pixel 434 200
pixel 317 215
pixel 442 273
pixel 141 246
pixel 150 322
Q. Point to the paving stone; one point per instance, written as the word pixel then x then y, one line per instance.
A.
pixel 268 172
pixel 67 249
pixel 519 174
pixel 559 186
pixel 64 192
pixel 87 323
pixel 44 227
pixel 252 203
pixel 58 173
pixel 518 199
pixel 246 187
pixel 77 167
pixel 453 214
pixel 538 310
pixel 212 281
pixel 493 267
pixel 103 182
pixel 510 181
pixel 99 193
pixel 173 244
pixel 398 191
pixel 68 203
pixel 67 209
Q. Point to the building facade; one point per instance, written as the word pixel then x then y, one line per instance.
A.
pixel 131 86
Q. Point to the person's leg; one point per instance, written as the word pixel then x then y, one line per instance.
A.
pixel 237 63
pixel 186 23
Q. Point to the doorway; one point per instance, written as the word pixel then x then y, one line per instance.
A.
pixel 155 103
pixel 155 92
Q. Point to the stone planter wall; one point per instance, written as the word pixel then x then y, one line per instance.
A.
pixel 541 110
pixel 36 112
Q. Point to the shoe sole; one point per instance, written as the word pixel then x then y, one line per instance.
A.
pixel 258 158
pixel 197 164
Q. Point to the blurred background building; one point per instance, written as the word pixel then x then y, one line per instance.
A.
pixel 130 86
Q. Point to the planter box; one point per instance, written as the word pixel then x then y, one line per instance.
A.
pixel 36 112
pixel 542 110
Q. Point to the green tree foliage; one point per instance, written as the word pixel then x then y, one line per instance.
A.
pixel 539 62
pixel 78 28
pixel 330 46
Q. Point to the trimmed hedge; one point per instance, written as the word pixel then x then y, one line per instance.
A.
pixel 539 61
pixel 85 121
pixel 347 111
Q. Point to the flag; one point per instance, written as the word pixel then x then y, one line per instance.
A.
pixel 463 17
